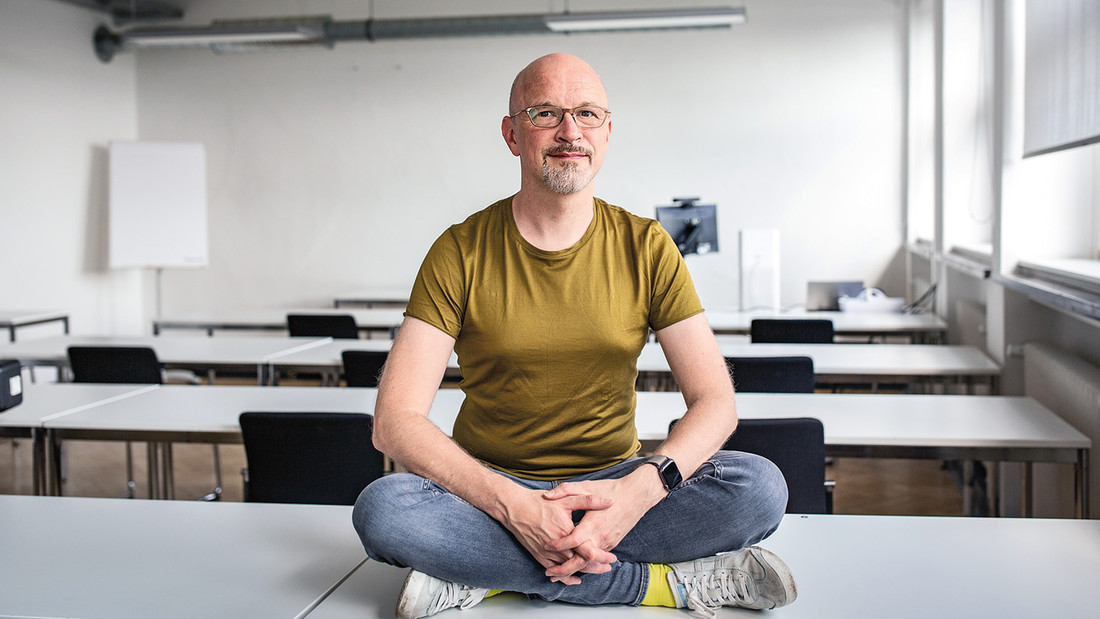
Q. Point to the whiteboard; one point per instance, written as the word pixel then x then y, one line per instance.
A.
pixel 157 204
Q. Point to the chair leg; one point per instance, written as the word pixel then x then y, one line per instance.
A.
pixel 216 493
pixel 130 484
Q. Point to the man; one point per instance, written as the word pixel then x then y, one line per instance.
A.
pixel 547 298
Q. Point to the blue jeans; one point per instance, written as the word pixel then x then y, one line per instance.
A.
pixel 734 500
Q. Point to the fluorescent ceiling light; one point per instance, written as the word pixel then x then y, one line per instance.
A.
pixel 719 17
pixel 178 39
pixel 270 32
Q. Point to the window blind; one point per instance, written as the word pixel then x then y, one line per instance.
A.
pixel 1061 75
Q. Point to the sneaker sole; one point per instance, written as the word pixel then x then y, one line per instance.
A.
pixel 411 591
pixel 786 578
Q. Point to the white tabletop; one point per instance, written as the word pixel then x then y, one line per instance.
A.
pixel 195 352
pixel 835 360
pixel 881 420
pixel 864 419
pixel 17 317
pixel 854 566
pixel 374 294
pixel 70 557
pixel 271 318
pixel 845 323
pixel 203 414
pixel 44 401
pixel 329 355
pixel 883 360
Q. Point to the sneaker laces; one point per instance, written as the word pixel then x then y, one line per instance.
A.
pixel 455 594
pixel 708 591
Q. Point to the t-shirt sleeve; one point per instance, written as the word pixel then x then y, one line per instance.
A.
pixel 438 294
pixel 673 293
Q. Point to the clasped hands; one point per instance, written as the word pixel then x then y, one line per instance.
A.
pixel 542 521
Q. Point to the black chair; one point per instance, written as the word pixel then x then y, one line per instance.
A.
pixel 305 457
pixel 363 368
pixel 128 364
pixel 791 331
pixel 772 374
pixel 117 365
pixel 339 326
pixel 797 447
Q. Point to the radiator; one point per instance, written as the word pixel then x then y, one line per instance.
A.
pixel 1070 387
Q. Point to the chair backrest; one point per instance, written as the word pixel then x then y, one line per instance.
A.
pixel 363 368
pixel 772 374
pixel 797 447
pixel 339 326
pixel 115 364
pixel 791 331
pixel 306 457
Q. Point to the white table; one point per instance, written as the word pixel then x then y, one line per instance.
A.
pixel 44 402
pixel 328 358
pixel 833 363
pixel 937 427
pixel 862 363
pixel 251 353
pixel 188 414
pixel 69 557
pixel 388 296
pixel 917 327
pixel 386 320
pixel 998 428
pixel 852 566
pixel 11 319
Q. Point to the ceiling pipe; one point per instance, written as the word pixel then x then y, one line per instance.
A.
pixel 227 36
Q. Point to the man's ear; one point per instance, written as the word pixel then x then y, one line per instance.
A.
pixel 508 130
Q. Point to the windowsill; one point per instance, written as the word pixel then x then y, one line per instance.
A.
pixel 975 261
pixel 1071 285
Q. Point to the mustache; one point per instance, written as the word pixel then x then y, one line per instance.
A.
pixel 571 149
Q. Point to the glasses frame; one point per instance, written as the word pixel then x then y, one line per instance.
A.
pixel 530 111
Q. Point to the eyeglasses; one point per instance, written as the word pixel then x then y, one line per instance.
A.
pixel 550 116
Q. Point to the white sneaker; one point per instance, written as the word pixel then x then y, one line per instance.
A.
pixel 423 595
pixel 748 578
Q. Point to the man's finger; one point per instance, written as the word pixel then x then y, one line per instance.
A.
pixel 584 502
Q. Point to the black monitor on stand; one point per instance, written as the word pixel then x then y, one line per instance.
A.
pixel 694 227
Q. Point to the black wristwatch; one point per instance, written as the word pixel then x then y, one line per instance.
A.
pixel 667 469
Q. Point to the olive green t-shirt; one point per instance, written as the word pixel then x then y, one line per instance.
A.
pixel 548 341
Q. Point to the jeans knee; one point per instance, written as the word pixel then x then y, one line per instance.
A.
pixel 761 487
pixel 376 515
pixel 773 490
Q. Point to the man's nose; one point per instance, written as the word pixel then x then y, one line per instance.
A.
pixel 568 130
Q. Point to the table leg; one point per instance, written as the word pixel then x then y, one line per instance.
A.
pixel 1083 483
pixel 53 464
pixel 1025 490
pixel 167 476
pixel 38 461
pixel 151 469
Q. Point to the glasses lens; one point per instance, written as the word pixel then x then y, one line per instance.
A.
pixel 545 115
pixel 589 116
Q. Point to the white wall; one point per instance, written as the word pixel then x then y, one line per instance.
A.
pixel 335 169
pixel 60 108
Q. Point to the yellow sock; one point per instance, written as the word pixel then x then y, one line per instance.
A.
pixel 659 592
pixel 493 592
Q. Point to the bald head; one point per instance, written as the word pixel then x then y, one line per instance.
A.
pixel 557 70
